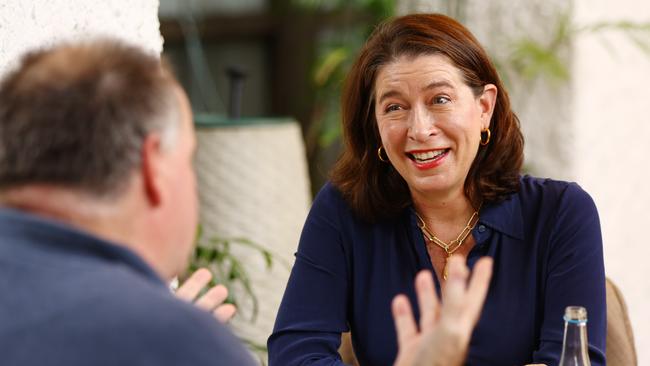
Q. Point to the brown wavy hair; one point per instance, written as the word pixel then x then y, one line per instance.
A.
pixel 374 189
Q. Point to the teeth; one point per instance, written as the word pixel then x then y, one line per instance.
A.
pixel 428 155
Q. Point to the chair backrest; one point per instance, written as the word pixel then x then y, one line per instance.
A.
pixel 620 340
pixel 346 351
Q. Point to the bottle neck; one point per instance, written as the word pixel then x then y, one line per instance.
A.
pixel 575 350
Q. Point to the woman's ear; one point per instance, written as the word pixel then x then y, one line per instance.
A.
pixel 486 102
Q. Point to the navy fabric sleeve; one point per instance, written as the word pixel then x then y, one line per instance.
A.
pixel 575 275
pixel 313 312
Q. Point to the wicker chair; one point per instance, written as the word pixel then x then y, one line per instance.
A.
pixel 620 340
pixel 346 351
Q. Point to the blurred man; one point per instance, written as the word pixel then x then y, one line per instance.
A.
pixel 99 209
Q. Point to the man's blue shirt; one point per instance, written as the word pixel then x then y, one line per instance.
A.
pixel 72 299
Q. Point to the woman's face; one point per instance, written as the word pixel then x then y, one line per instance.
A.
pixel 430 122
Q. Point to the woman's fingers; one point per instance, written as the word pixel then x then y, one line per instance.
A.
pixel 445 329
pixel 478 287
pixel 191 288
pixel 404 323
pixel 427 300
pixel 455 287
pixel 465 299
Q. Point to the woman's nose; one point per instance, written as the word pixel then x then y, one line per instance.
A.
pixel 422 124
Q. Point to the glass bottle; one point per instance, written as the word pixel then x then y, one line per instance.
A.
pixel 575 351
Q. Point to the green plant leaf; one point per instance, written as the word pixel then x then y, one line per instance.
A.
pixel 215 254
pixel 330 63
pixel 199 233
pixel 643 43
pixel 532 60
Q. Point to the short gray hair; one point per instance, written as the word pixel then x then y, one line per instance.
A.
pixel 76 115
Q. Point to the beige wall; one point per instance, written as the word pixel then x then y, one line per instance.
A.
pixel 611 114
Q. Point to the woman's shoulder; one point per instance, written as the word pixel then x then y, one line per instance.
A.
pixel 546 190
pixel 329 192
pixel 331 202
pixel 530 185
pixel 329 197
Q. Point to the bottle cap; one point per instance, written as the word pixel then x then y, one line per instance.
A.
pixel 575 314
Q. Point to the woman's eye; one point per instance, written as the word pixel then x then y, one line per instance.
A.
pixel 441 100
pixel 393 107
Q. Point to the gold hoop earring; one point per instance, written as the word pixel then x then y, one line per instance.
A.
pixel 385 160
pixel 487 139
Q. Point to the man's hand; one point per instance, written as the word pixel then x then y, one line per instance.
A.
pixel 444 330
pixel 212 300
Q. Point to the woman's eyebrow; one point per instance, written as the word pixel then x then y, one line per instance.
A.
pixel 438 84
pixel 388 94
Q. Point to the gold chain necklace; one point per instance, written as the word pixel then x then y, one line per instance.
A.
pixel 454 244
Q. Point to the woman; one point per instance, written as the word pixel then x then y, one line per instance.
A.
pixel 431 168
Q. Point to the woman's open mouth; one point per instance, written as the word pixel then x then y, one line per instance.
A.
pixel 427 159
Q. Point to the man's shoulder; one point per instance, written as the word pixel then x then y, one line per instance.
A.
pixel 151 323
pixel 122 296
pixel 116 316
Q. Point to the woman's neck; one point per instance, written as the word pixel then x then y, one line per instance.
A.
pixel 445 215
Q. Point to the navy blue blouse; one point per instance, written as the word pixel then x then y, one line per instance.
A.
pixel 547 250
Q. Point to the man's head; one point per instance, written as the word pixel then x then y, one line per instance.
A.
pixel 109 123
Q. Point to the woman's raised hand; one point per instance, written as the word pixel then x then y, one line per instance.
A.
pixel 444 330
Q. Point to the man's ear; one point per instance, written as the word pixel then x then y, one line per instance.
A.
pixel 486 101
pixel 152 168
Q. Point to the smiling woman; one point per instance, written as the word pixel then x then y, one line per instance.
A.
pixel 429 122
pixel 431 168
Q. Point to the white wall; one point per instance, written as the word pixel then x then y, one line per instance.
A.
pixel 612 151
pixel 26 24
